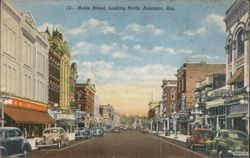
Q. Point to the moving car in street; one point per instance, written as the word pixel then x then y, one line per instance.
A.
pixel 82 133
pixel 229 142
pixel 98 131
pixel 55 136
pixel 116 130
pixel 199 137
pixel 13 143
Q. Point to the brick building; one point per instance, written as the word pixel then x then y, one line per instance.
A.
pixel 169 99
pixel 85 97
pixel 187 76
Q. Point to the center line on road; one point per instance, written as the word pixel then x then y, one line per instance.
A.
pixel 70 146
pixel 179 146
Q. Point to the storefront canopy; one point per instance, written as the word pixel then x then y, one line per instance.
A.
pixel 238 76
pixel 28 116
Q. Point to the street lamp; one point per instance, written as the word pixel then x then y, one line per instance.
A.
pixel 196 111
pixel 246 100
pixel 175 117
pixel 56 111
pixel 3 97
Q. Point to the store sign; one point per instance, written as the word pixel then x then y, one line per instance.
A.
pixel 28 104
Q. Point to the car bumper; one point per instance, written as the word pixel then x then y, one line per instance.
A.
pixel 238 153
pixel 81 137
pixel 45 145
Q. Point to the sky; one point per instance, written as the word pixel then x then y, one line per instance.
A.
pixel 127 53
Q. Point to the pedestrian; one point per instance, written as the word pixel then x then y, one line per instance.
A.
pixel 25 133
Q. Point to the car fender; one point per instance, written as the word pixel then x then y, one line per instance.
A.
pixel 209 144
pixel 222 146
pixel 27 144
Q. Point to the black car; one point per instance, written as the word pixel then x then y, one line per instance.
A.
pixel 83 133
pixel 12 143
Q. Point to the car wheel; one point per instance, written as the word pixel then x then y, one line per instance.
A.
pixel 2 153
pixel 59 145
pixel 26 151
pixel 206 148
pixel 219 153
pixel 192 146
pixel 67 142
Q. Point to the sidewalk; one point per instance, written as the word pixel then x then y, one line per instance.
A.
pixel 32 141
pixel 180 137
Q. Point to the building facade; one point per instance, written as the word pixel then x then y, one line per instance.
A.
pixel 54 71
pixel 187 76
pixel 207 106
pixel 85 101
pixel 73 78
pixel 169 99
pixel 107 116
pixel 238 63
pixel 24 70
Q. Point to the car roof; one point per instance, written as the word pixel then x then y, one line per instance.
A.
pixel 231 130
pixel 53 128
pixel 8 128
pixel 202 129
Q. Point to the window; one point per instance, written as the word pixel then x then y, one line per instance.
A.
pixel 230 52
pixel 18 133
pixel 172 94
pixel 11 133
pixel 240 44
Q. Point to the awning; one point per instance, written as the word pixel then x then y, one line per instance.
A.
pixel 238 76
pixel 236 115
pixel 28 116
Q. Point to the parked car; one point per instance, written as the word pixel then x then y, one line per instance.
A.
pixel 144 130
pixel 55 136
pixel 199 137
pixel 82 133
pixel 229 142
pixel 13 143
pixel 116 130
pixel 98 131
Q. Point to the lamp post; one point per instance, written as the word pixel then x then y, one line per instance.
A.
pixel 3 97
pixel 196 112
pixel 56 111
pixel 175 117
pixel 246 100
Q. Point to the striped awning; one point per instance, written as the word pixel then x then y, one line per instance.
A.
pixel 238 76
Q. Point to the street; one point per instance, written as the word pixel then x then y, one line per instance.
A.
pixel 126 144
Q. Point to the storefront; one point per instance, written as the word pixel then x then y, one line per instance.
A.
pixel 30 116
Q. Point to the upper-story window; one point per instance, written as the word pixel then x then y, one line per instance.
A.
pixel 80 95
pixel 240 44
pixel 172 94
pixel 230 55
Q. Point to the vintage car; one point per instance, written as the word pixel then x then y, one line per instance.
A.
pixel 82 133
pixel 55 136
pixel 98 131
pixel 116 130
pixel 229 142
pixel 13 143
pixel 199 137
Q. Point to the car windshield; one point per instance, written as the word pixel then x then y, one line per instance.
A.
pixel 234 135
pixel 50 131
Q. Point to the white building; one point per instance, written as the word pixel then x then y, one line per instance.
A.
pixel 96 108
pixel 24 63
pixel 238 62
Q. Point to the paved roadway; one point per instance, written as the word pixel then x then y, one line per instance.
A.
pixel 126 144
